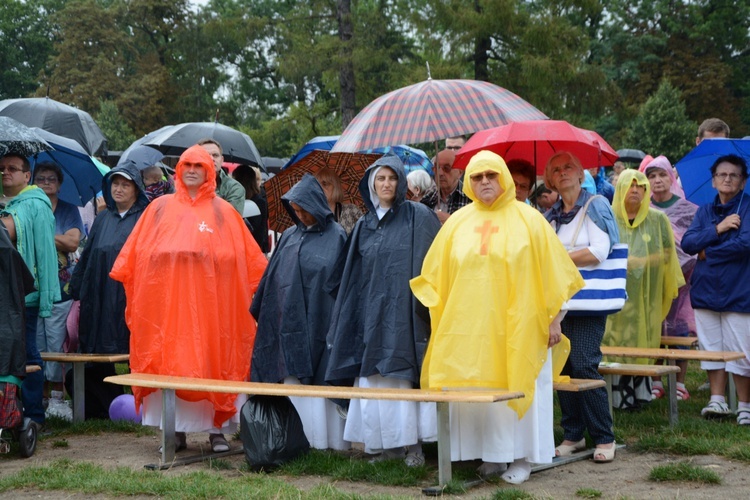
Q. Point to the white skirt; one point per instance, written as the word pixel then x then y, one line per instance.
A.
pixel 190 416
pixel 383 425
pixel 324 427
pixel 494 433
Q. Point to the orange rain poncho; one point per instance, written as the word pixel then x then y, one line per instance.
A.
pixel 190 268
pixel 494 279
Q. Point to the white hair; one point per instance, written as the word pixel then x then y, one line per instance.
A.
pixel 420 179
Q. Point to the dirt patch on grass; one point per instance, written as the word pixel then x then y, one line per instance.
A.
pixel 627 476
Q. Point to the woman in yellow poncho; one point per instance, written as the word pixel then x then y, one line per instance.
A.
pixel 654 275
pixel 495 279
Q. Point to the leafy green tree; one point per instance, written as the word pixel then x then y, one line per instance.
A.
pixel 662 126
pixel 115 129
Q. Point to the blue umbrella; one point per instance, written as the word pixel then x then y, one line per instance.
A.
pixel 82 178
pixel 695 167
pixel 324 143
pixel 140 156
pixel 413 158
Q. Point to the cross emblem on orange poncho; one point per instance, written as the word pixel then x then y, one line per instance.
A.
pixel 486 229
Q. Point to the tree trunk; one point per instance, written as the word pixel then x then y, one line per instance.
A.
pixel 482 46
pixel 346 68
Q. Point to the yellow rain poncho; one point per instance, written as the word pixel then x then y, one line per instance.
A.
pixel 494 279
pixel 654 273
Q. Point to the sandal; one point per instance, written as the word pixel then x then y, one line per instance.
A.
pixel 743 416
pixel 490 469
pixel 608 454
pixel 565 450
pixel 657 392
pixel 218 443
pixel 414 459
pixel 180 442
pixel 682 394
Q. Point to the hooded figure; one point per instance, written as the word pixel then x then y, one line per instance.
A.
pixel 190 269
pixel 494 280
pixel 653 279
pixel 102 328
pixel 379 331
pixel 294 314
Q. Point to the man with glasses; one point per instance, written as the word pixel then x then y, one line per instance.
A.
pixel 51 332
pixel 31 226
pixel 452 196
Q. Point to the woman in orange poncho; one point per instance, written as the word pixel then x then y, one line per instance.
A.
pixel 190 268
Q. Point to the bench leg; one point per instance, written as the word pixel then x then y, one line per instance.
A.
pixel 444 443
pixel 167 426
pixel 79 390
pixel 672 377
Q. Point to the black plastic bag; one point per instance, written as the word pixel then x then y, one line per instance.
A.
pixel 271 432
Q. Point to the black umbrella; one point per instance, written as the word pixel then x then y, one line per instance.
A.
pixel 237 147
pixel 59 119
pixel 19 139
pixel 630 155
pixel 140 156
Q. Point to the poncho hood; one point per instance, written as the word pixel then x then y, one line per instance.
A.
pixel 134 174
pixel 395 164
pixel 308 194
pixel 482 162
pixel 196 154
pixel 623 185
pixel 663 163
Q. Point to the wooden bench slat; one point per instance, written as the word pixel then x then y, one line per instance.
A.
pixel 651 353
pixel 637 370
pixel 318 391
pixel 578 385
pixel 72 357
pixel 679 341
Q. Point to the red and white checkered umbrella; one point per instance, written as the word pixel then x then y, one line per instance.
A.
pixel 433 110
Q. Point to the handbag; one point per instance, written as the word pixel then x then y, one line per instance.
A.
pixel 604 292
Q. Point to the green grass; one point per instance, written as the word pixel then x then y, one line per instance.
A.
pixel 511 494
pixel 588 493
pixel 684 471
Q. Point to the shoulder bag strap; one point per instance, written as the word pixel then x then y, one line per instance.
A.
pixel 583 219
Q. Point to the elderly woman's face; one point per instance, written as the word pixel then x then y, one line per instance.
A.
pixel 728 179
pixel 193 174
pixel 564 174
pixel 486 186
pixel 659 180
pixel 635 194
pixel 47 181
pixel 386 182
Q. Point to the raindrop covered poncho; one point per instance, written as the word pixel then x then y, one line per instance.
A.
pixel 654 273
pixel 190 268
pixel 494 279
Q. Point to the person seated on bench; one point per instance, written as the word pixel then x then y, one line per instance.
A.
pixel 720 236
pixel 294 314
pixel 495 280
pixel 653 279
pixel 101 323
pixel 190 269
pixel 667 196
pixel 595 233
pixel 378 329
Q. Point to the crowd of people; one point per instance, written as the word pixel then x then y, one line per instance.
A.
pixel 456 283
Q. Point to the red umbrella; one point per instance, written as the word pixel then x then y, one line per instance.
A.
pixel 349 166
pixel 433 110
pixel 536 141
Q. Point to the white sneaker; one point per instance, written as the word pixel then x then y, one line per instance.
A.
pixel 60 409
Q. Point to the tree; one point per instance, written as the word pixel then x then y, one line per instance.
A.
pixel 115 129
pixel 662 126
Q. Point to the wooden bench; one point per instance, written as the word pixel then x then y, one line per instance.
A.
pixel 610 369
pixel 169 384
pixel 668 341
pixel 79 380
pixel 671 356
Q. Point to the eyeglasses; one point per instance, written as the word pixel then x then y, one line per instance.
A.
pixel 43 180
pixel 11 169
pixel 491 176
pixel 446 167
pixel 524 187
pixel 725 176
pixel 454 148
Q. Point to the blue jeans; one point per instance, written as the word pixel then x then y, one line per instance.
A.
pixel 32 389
